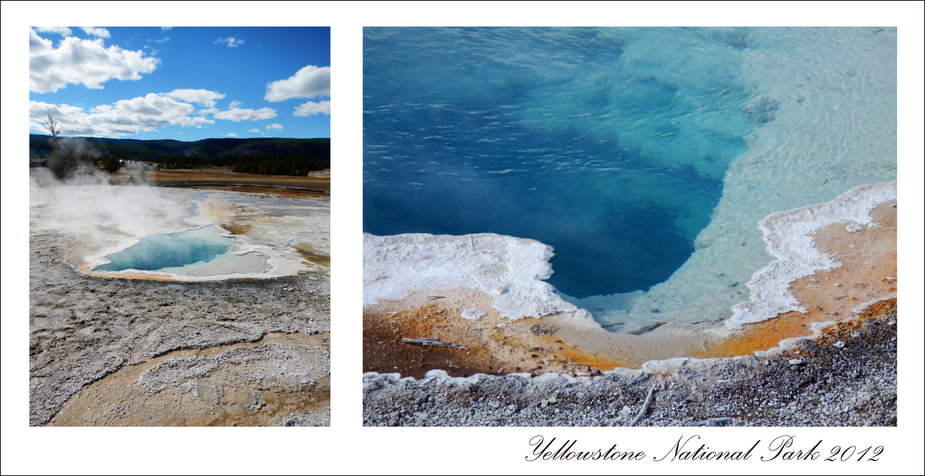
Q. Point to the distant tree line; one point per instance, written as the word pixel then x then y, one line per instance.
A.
pixel 64 161
pixel 277 164
pixel 180 162
pixel 265 156
pixel 263 164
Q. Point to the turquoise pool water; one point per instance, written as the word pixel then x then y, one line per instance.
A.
pixel 645 156
pixel 566 136
pixel 167 251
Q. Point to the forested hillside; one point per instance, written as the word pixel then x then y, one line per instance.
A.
pixel 269 156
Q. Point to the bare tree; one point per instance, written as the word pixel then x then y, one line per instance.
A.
pixel 52 126
pixel 63 160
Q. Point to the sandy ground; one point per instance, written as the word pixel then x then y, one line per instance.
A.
pixel 777 372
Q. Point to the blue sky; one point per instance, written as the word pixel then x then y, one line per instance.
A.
pixel 181 83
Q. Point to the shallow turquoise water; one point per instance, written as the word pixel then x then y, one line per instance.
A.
pixel 608 144
pixel 171 250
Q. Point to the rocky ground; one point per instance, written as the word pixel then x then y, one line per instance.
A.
pixel 252 352
pixel 846 377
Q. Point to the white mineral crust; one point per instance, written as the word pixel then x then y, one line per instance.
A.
pixel 508 269
pixel 789 238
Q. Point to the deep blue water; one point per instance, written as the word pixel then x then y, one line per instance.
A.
pixel 609 145
pixel 169 250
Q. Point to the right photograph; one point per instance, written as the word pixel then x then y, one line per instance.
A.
pixel 630 226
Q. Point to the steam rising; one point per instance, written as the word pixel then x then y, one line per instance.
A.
pixel 102 215
pixel 113 218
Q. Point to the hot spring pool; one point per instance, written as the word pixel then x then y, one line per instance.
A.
pixel 644 156
pixel 173 253
pixel 182 234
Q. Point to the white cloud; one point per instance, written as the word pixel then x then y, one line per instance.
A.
pixel 166 28
pixel 237 115
pixel 62 30
pixel 274 127
pixel 231 41
pixel 311 108
pixel 308 82
pixel 201 96
pixel 256 130
pixel 125 117
pixel 94 31
pixel 231 134
pixel 86 62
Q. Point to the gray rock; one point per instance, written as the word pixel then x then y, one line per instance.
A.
pixel 752 391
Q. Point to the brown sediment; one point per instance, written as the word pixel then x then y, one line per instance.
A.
pixel 868 273
pixel 632 351
pixel 226 396
pixel 490 344
pixel 843 330
pixel 494 345
pixel 267 190
pixel 236 228
pixel 313 255
pixel 286 185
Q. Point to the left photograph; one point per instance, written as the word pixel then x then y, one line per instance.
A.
pixel 179 226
